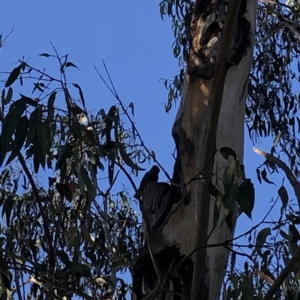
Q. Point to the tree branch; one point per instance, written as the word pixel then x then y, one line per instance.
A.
pixel 115 94
pixel 289 174
pixel 296 186
pixel 39 202
pixel 214 103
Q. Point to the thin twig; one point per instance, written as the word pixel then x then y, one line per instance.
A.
pixel 113 182
pixel 40 72
pixel 283 274
pixel 296 186
pixel 127 175
pixel 154 261
pixel 289 174
pixel 268 35
pixel 229 248
pixel 257 225
pixel 39 202
pixel 2 42
pixel 115 94
pixel 194 178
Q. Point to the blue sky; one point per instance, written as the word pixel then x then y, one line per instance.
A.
pixel 136 46
pixel 132 39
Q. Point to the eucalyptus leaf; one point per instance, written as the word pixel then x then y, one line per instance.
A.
pixel 13 76
pixel 10 124
pixel 20 137
pixel 261 239
pixel 128 161
pixel 283 194
pixel 8 97
pixel 64 190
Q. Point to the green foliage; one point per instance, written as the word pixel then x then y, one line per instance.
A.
pixel 75 235
pixel 237 191
pixel 275 244
pixel 273 100
pixel 180 12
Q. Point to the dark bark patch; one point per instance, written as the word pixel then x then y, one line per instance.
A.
pixel 209 18
pixel 242 41
pixel 178 283
pixel 204 8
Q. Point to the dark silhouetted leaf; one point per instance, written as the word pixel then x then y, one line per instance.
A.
pixel 283 194
pixel 32 132
pixel 131 105
pixel 70 64
pixel 63 65
pixel 80 94
pixel 246 196
pixel 261 239
pixel 44 136
pixel 37 86
pixel 264 177
pixel 13 76
pixel 63 256
pixel 64 190
pixel 76 130
pixel 51 106
pixel 82 270
pixel 66 152
pixel 2 98
pixel 6 278
pixel 45 54
pixel 212 189
pixel 8 97
pixel 226 152
pixel 127 159
pixel 39 157
pixel 284 235
pixel 87 182
pixel 293 230
pixel 4 175
pixel 51 181
pixel 29 100
pixel 111 166
pixel 7 208
pixel 20 137
pixel 75 109
pixel 10 124
pixel 258 175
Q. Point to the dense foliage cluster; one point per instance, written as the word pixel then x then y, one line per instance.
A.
pixel 74 235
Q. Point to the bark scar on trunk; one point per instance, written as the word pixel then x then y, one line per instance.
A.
pixel 206 30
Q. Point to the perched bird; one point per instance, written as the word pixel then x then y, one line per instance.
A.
pixel 150 176
pixel 108 120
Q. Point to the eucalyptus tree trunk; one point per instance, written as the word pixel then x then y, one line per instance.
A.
pixel 179 218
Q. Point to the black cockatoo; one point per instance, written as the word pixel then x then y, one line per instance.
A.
pixel 150 176
pixel 108 120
